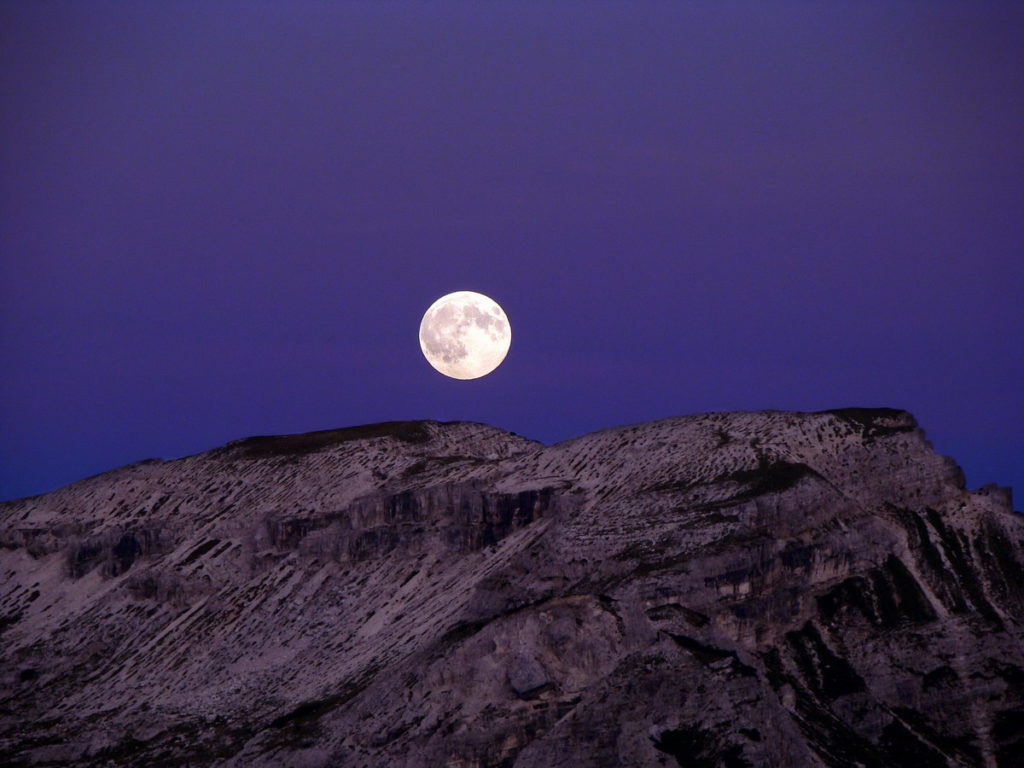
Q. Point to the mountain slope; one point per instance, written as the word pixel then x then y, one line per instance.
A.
pixel 735 589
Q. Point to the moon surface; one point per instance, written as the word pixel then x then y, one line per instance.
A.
pixel 465 335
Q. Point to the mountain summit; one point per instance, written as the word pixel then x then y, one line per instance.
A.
pixel 728 589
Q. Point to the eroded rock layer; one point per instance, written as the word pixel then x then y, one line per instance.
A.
pixel 736 589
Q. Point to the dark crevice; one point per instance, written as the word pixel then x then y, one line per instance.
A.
pixel 709 654
pixel 696 748
pixel 827 674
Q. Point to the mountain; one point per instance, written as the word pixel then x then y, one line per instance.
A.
pixel 728 589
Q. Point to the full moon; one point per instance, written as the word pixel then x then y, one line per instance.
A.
pixel 465 335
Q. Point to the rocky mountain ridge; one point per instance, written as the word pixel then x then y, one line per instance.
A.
pixel 734 589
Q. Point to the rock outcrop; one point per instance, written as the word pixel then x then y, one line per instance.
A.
pixel 736 589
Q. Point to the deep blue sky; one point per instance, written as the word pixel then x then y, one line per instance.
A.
pixel 220 219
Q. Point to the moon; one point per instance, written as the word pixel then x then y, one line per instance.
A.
pixel 465 335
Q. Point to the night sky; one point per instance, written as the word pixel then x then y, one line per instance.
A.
pixel 221 219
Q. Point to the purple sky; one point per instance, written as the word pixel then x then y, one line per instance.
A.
pixel 220 219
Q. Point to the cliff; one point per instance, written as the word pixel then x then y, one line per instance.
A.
pixel 734 589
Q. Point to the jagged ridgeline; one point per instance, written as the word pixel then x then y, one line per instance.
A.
pixel 734 589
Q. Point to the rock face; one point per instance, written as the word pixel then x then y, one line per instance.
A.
pixel 737 589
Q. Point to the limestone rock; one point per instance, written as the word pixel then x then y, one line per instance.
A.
pixel 733 589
